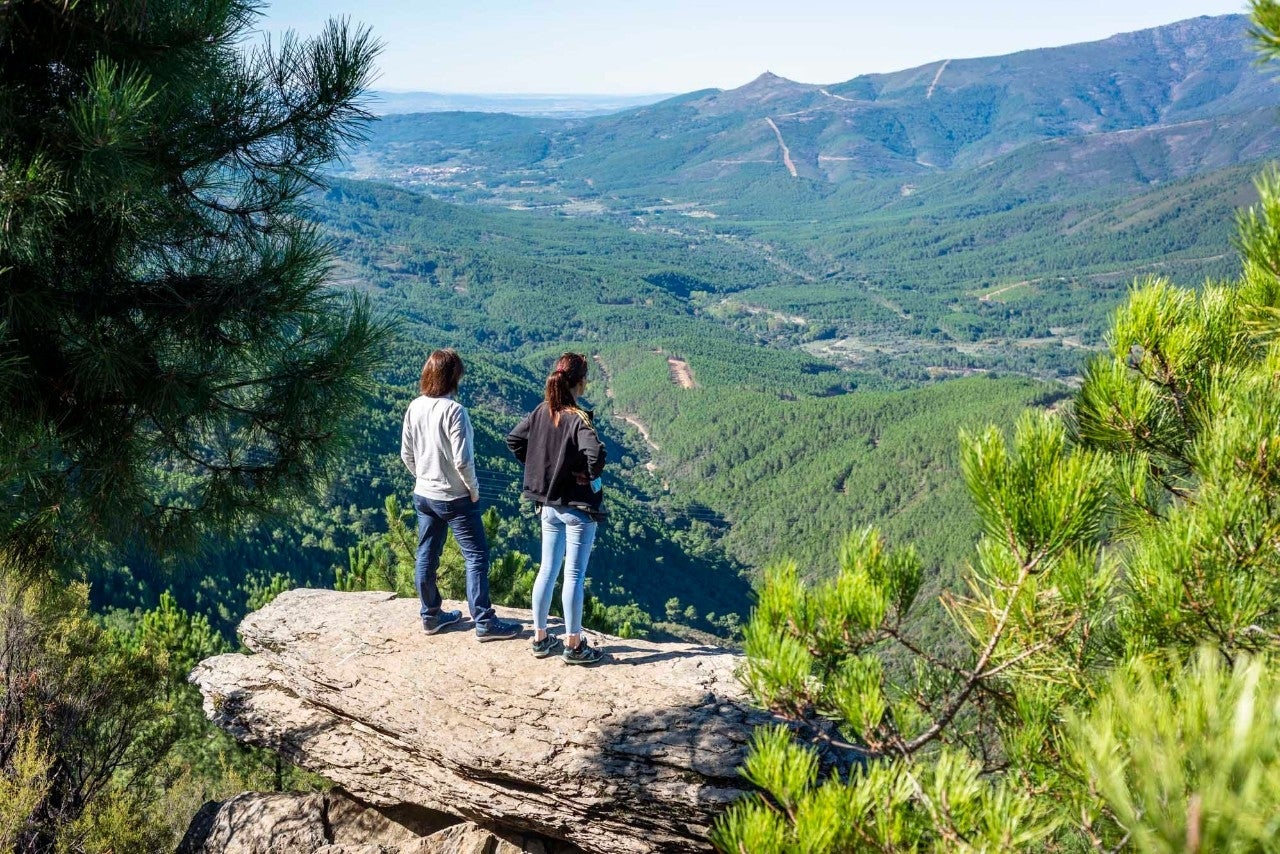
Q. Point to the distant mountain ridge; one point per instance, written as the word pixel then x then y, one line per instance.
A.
pixel 1151 106
pixel 964 112
pixel 558 105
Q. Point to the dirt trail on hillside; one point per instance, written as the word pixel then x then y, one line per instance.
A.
pixel 644 434
pixel 936 78
pixel 988 296
pixel 627 417
pixel 837 97
pixel 786 152
pixel 680 373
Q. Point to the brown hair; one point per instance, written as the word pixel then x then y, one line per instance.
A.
pixel 570 369
pixel 442 373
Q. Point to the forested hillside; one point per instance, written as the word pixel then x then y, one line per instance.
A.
pixel 961 217
pixel 794 297
pixel 820 320
pixel 767 451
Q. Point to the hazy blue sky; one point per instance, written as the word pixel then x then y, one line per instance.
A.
pixel 647 46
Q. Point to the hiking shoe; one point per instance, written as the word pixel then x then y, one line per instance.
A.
pixel 583 653
pixel 550 645
pixel 496 629
pixel 432 623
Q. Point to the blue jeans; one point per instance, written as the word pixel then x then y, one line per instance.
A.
pixel 567 535
pixel 435 520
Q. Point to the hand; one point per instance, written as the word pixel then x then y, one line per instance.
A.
pixel 582 478
pixel 475 498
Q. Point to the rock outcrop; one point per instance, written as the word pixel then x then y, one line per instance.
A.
pixel 638 754
pixel 334 823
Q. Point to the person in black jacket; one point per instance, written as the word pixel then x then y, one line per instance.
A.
pixel 563 458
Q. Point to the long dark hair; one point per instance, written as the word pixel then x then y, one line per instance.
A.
pixel 570 369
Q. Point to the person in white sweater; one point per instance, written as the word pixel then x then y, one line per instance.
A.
pixel 438 448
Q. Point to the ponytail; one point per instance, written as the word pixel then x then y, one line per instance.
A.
pixel 570 370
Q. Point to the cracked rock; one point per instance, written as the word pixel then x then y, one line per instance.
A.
pixel 638 754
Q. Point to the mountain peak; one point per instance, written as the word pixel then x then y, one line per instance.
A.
pixel 769 80
pixel 769 84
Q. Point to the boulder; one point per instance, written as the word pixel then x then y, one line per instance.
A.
pixel 637 754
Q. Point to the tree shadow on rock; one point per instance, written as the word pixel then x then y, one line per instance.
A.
pixel 673 771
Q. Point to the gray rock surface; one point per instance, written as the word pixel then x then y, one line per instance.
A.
pixel 639 754
pixel 334 823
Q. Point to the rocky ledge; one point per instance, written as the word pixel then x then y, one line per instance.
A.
pixel 637 754
pixel 334 823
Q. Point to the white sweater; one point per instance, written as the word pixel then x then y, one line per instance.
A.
pixel 438 448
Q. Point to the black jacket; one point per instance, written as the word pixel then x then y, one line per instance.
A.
pixel 557 456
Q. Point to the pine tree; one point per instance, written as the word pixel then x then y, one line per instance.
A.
pixel 1118 685
pixel 170 356
pixel 171 360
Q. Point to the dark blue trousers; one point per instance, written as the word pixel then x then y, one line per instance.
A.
pixel 435 520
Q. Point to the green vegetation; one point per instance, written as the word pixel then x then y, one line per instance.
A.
pixel 171 366
pixel 195 421
pixel 172 359
pixel 756 416
pixel 991 226
pixel 1102 567
pixel 785 467
pixel 902 288
pixel 1114 686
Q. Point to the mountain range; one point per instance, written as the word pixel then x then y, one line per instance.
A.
pixel 778 359
pixel 1135 109
pixel 796 295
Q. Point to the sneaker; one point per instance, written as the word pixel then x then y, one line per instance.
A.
pixel 496 629
pixel 432 623
pixel 583 653
pixel 550 645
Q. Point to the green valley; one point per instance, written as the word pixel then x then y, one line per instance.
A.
pixel 836 330
pixel 780 360
pixel 796 299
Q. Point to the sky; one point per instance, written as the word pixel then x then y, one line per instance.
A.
pixel 672 46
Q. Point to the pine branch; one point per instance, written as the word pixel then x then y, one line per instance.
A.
pixel 958 701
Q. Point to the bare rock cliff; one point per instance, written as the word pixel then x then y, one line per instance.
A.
pixel 638 754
